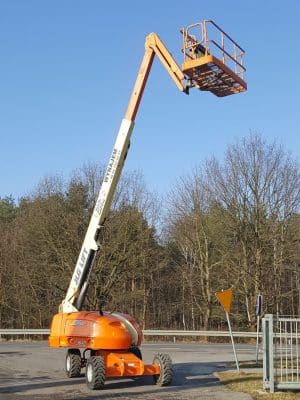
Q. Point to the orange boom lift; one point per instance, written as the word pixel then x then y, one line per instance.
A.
pixel 107 344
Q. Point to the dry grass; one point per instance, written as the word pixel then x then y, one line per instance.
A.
pixel 251 383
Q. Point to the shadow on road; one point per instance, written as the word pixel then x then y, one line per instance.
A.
pixel 11 353
pixel 186 376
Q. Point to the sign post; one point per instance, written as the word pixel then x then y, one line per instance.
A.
pixel 258 308
pixel 225 298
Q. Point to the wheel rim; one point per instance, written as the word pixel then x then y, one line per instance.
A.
pixel 68 363
pixel 89 373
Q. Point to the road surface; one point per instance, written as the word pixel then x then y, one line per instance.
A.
pixel 33 371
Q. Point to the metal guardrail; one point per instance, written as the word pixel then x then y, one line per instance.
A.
pixel 147 332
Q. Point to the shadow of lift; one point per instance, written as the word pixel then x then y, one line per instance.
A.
pixel 186 376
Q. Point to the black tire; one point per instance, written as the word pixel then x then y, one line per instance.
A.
pixel 166 370
pixel 136 351
pixel 73 363
pixel 95 373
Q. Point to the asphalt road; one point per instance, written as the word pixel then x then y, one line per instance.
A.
pixel 36 372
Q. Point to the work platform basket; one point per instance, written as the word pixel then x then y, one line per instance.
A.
pixel 212 59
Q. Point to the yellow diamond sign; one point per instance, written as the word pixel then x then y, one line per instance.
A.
pixel 225 298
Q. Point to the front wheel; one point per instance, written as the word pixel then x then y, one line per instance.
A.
pixel 166 370
pixel 73 363
pixel 95 373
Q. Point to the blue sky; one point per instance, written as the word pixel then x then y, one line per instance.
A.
pixel 68 67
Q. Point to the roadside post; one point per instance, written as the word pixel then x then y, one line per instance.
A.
pixel 225 298
pixel 258 308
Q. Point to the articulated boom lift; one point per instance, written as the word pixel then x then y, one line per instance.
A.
pixel 112 340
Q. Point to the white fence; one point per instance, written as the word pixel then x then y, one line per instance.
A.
pixel 281 358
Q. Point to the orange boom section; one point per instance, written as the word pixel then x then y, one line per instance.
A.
pixel 90 329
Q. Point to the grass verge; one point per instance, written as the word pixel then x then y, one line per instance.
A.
pixel 251 383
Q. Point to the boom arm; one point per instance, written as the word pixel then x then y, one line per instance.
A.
pixel 79 282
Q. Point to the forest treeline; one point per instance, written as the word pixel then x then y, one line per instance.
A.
pixel 230 223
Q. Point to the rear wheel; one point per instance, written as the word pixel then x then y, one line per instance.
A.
pixel 166 371
pixel 73 363
pixel 95 373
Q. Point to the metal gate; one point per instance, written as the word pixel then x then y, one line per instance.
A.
pixel 281 352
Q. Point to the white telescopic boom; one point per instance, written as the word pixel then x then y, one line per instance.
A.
pixel 90 244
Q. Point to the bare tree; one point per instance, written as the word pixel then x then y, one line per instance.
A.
pixel 258 186
pixel 192 227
